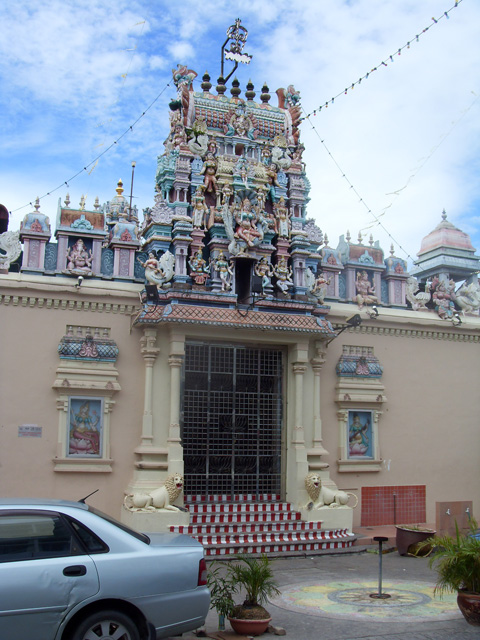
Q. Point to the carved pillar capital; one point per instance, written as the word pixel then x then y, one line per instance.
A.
pixel 147 346
pixel 299 368
pixel 175 360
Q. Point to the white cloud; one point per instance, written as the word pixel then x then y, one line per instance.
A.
pixel 412 124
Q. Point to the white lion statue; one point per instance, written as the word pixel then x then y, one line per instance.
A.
pixel 158 499
pixel 324 496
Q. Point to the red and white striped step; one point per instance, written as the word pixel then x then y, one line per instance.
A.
pixel 229 525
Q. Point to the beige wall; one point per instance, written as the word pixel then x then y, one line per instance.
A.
pixel 428 431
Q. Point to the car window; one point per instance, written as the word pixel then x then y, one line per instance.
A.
pixel 90 541
pixel 136 534
pixel 30 536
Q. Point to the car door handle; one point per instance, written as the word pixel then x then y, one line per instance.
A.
pixel 75 570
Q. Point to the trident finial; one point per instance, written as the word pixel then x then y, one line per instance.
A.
pixel 237 36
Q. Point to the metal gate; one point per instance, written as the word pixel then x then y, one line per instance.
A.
pixel 232 419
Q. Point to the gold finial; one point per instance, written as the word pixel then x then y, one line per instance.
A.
pixel 119 188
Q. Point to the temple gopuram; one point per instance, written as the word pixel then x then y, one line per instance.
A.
pixel 213 366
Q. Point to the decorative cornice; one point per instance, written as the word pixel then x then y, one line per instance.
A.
pixel 453 336
pixel 70 305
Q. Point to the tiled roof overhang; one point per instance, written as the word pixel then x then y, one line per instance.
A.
pixel 234 318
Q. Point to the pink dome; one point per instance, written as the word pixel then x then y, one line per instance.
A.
pixel 446 235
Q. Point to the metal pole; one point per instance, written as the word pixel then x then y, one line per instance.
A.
pixel 380 595
pixel 131 187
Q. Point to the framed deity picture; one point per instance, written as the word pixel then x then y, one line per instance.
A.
pixel 360 435
pixel 85 427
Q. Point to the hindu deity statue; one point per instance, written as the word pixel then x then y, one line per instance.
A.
pixel 198 268
pixel 272 170
pixel 365 291
pixel 265 270
pixel 317 286
pixel 442 298
pixel 246 220
pixel 282 218
pixel 78 258
pixel 225 271
pixel 209 170
pixel 283 274
pixel 200 209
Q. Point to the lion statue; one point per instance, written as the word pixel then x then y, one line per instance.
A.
pixel 324 496
pixel 161 498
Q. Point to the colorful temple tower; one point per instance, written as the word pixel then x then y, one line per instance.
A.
pixel 221 344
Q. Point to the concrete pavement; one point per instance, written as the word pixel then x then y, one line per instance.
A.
pixel 327 598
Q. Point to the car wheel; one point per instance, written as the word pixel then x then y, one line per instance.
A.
pixel 106 625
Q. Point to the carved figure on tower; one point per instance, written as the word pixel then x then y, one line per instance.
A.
pixel 289 99
pixel 317 286
pixel 280 153
pixel 365 291
pixel 264 270
pixel 78 258
pixel 198 268
pixel 272 179
pixel 244 227
pixel 225 271
pixel 183 78
pixel 200 210
pixel 198 139
pixel 246 219
pixel 282 218
pixel 159 272
pixel 283 274
pixel 209 170
pixel 443 297
pixel 468 298
pixel 418 299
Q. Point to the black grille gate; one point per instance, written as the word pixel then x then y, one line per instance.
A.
pixel 232 419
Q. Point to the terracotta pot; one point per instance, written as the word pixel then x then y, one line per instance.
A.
pixel 469 605
pixel 249 627
pixel 405 538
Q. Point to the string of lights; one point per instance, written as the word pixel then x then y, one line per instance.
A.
pixel 352 187
pixel 95 160
pixel 396 194
pixel 124 77
pixel 384 63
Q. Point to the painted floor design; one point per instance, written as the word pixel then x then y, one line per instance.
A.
pixel 409 601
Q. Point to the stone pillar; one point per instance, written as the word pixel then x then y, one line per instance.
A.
pixel 297 457
pixel 298 436
pixel 175 360
pixel 149 352
pixel 315 454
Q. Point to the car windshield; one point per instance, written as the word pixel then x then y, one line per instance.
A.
pixel 136 534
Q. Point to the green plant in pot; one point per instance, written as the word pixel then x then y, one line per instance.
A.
pixel 221 592
pixel 456 560
pixel 254 578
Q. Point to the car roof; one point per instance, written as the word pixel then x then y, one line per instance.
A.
pixel 41 502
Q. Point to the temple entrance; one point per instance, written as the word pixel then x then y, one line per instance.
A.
pixel 232 419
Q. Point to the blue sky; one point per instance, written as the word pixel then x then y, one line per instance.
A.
pixel 398 148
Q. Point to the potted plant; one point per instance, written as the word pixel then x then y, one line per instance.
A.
pixel 456 560
pixel 409 536
pixel 221 593
pixel 251 576
pixel 254 576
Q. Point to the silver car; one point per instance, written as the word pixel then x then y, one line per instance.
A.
pixel 70 572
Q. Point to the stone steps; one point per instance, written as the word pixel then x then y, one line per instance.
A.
pixel 255 525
